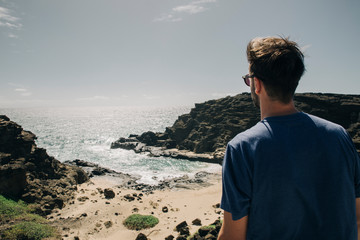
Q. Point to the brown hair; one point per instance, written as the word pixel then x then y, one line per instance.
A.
pixel 279 63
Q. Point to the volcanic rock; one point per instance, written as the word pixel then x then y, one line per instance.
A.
pixel 181 225
pixel 29 173
pixel 203 231
pixel 181 237
pixel 207 232
pixel 165 209
pixel 109 193
pixel 141 236
pixel 108 224
pixel 196 222
pixel 202 134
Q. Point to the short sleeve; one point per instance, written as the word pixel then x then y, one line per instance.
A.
pixel 236 183
pixel 354 155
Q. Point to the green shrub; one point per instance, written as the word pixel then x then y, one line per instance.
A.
pixel 29 230
pixel 10 208
pixel 138 222
pixel 20 223
pixel 209 227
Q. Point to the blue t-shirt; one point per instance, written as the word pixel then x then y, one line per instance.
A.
pixel 295 177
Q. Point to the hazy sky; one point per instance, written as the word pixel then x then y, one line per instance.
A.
pixel 164 52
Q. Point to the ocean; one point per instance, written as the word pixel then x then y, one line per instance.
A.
pixel 87 133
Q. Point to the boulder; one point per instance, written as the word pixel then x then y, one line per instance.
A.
pixel 203 231
pixel 196 222
pixel 181 237
pixel 181 226
pixel 109 193
pixel 165 209
pixel 149 138
pixel 141 236
pixel 108 224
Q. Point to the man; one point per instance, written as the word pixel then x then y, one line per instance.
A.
pixel 292 175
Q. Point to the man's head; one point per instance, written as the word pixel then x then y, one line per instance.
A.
pixel 278 63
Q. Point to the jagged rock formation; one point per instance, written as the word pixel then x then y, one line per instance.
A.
pixel 203 133
pixel 29 173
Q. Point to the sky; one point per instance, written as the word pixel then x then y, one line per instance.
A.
pixel 164 52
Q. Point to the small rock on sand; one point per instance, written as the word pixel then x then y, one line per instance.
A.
pixel 109 193
pixel 165 209
pixel 170 237
pixel 108 224
pixel 181 225
pixel 196 222
pixel 141 236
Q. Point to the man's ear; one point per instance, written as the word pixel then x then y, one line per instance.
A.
pixel 258 85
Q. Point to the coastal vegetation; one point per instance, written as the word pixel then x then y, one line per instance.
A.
pixel 18 222
pixel 138 221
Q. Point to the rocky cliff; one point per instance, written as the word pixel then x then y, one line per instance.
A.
pixel 29 173
pixel 203 133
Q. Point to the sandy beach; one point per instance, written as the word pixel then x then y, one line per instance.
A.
pixel 92 216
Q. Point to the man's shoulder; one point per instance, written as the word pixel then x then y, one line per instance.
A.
pixel 324 124
pixel 261 131
pixel 250 135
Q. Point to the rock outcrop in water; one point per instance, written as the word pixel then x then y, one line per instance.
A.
pixel 29 173
pixel 203 133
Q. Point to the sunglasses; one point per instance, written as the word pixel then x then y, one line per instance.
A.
pixel 247 78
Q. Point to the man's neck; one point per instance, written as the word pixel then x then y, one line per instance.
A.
pixel 276 108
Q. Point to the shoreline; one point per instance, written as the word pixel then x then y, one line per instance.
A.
pixel 93 216
pixel 135 182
